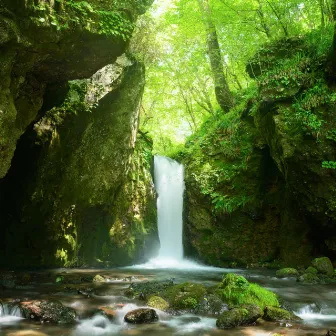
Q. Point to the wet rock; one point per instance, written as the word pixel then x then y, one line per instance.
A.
pixel 309 279
pixel 274 314
pixel 287 273
pixel 7 280
pixel 239 316
pixel 323 265
pixel 48 311
pixel 213 305
pixel 144 290
pixel 190 319
pixel 142 315
pixel 311 269
pixel 99 278
pixel 109 312
pixel 186 296
pixel 158 303
pixel 331 333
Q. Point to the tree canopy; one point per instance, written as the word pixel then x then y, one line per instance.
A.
pixel 196 53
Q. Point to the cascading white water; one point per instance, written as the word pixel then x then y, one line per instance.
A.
pixel 169 184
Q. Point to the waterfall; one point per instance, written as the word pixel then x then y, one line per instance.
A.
pixel 169 184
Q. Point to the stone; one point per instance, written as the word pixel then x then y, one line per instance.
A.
pixel 311 270
pixel 274 314
pixel 109 312
pixel 158 303
pixel 99 278
pixel 287 273
pixel 142 315
pixel 331 332
pixel 48 311
pixel 238 317
pixel 323 265
pixel 144 290
pixel 309 278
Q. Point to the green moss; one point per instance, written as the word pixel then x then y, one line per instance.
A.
pixel 323 265
pixel 238 316
pixel 311 270
pixel 185 296
pixel 287 272
pixel 236 290
pixel 275 314
pixel 158 303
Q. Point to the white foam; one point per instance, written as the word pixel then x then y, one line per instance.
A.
pixel 171 263
pixel 183 327
pixel 97 326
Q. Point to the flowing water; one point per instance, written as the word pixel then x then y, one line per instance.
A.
pixel 316 305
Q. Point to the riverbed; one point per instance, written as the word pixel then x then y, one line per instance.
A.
pixel 316 305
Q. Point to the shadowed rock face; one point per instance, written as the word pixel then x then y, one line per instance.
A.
pixel 142 315
pixel 79 191
pixel 44 42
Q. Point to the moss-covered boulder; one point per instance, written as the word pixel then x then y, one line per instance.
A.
pixel 147 289
pixel 236 290
pixel 239 316
pixel 48 311
pixel 323 266
pixel 311 269
pixel 185 296
pixel 309 278
pixel 287 273
pixel 275 314
pixel 158 303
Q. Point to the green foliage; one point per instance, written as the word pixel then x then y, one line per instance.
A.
pixel 86 16
pixel 329 164
pixel 236 290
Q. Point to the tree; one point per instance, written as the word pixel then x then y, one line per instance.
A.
pixel 223 94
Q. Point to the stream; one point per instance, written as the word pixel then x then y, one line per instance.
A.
pixel 316 305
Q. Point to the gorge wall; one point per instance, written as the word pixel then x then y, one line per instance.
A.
pixel 75 182
pixel 260 187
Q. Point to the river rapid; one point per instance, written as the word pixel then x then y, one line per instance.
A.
pixel 316 305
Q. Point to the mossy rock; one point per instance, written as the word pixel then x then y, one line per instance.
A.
pixel 158 302
pixel 144 290
pixel 238 317
pixel 323 265
pixel 236 290
pixel 274 314
pixel 186 296
pixel 287 273
pixel 309 278
pixel 99 278
pixel 311 270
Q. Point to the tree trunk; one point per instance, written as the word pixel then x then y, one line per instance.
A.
pixel 223 94
pixel 263 23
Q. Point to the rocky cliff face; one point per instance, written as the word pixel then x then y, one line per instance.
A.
pixel 78 190
pixel 260 184
pixel 44 42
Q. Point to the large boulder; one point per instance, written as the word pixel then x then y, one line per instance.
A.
pixel 142 315
pixel 48 311
pixel 236 290
pixel 143 290
pixel 309 279
pixel 275 314
pixel 239 317
pixel 158 303
pixel 185 296
pixel 323 266
pixel 287 273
